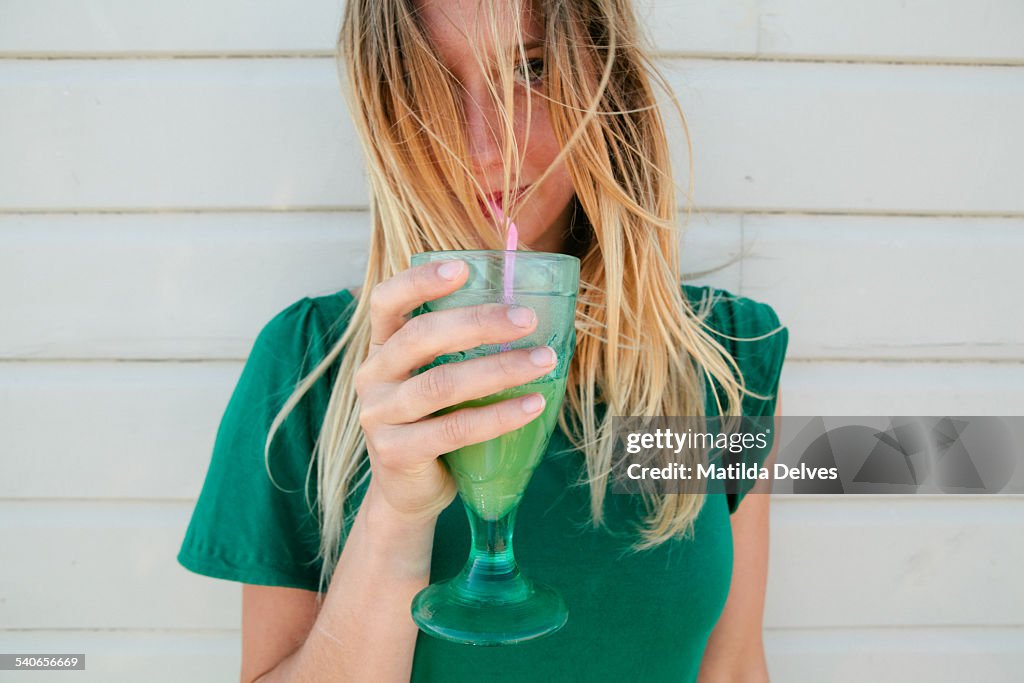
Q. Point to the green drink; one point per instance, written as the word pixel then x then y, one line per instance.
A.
pixel 490 602
pixel 492 475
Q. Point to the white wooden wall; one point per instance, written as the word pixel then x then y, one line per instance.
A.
pixel 172 174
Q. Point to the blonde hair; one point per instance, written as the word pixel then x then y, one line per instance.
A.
pixel 642 350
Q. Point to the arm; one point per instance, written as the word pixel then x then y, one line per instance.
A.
pixel 364 630
pixel 735 650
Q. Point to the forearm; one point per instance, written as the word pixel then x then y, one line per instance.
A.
pixel 364 630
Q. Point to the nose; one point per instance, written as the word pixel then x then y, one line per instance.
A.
pixel 483 130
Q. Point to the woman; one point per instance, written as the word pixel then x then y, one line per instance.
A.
pixel 325 496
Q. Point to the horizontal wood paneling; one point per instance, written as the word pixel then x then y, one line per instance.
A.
pixel 146 430
pixel 895 561
pixel 768 136
pixel 105 565
pixel 934 31
pixel 118 27
pixel 851 138
pixel 158 656
pixel 709 250
pixel 110 430
pixel 176 133
pixel 894 388
pixel 166 285
pixel 908 288
pixel 852 562
pixel 937 655
pixel 941 30
pixel 199 286
pixel 896 655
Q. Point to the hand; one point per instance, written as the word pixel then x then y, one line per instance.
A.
pixel 404 441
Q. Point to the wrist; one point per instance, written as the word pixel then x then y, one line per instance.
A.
pixel 403 541
pixel 388 519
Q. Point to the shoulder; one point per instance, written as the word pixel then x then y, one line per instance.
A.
pixel 728 315
pixel 749 329
pixel 305 325
pixel 253 521
pixel 731 314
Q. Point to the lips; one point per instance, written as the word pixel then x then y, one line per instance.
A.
pixel 499 199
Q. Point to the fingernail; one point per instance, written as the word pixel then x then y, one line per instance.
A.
pixel 521 316
pixel 532 403
pixel 542 356
pixel 450 270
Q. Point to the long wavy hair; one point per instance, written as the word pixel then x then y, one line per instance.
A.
pixel 642 350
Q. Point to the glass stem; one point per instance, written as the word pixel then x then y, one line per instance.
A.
pixel 491 571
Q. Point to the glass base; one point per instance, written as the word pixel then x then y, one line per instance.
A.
pixel 446 611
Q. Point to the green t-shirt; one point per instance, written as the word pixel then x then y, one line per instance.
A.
pixel 644 616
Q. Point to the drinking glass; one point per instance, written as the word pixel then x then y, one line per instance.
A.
pixel 490 602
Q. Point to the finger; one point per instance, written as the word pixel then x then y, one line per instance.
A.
pixel 453 383
pixel 395 298
pixel 423 338
pixel 465 426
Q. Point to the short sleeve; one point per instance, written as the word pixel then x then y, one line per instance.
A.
pixel 246 527
pixel 759 349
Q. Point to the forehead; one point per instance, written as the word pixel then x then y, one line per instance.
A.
pixel 452 24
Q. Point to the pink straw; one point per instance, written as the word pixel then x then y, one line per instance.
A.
pixel 511 244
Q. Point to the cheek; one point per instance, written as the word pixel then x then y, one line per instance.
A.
pixel 555 194
pixel 543 150
pixel 543 145
pixel 559 185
